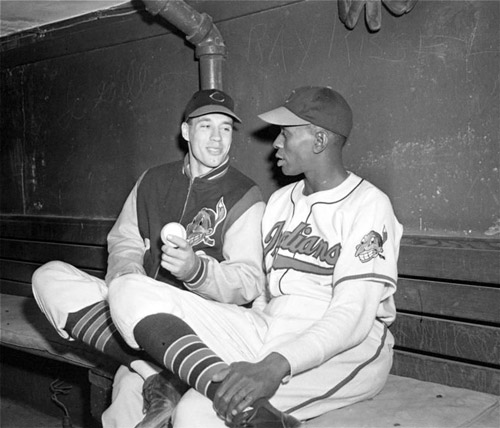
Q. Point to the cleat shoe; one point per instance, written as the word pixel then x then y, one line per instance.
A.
pixel 161 393
pixel 263 415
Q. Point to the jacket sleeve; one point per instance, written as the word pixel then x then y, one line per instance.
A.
pixel 126 247
pixel 239 278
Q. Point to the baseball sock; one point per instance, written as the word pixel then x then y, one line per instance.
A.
pixel 93 326
pixel 175 345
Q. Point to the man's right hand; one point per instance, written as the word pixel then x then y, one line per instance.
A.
pixel 179 258
pixel 244 383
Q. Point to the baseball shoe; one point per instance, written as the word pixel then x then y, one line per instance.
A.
pixel 161 393
pixel 263 415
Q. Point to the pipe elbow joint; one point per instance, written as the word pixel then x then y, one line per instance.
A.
pixel 200 31
pixel 207 39
pixel 213 44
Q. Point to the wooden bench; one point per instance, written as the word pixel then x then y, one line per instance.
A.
pixel 446 369
pixel 25 244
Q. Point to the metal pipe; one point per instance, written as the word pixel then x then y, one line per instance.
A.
pixel 200 31
pixel 211 71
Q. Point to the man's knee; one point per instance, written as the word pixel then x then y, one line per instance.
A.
pixel 123 294
pixel 46 284
pixel 134 297
pixel 128 300
pixel 60 289
pixel 45 273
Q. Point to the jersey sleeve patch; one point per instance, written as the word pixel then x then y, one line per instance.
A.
pixel 371 246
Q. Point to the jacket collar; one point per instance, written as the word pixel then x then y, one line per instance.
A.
pixel 211 175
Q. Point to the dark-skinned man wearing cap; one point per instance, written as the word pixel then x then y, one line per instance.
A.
pixel 318 339
pixel 219 259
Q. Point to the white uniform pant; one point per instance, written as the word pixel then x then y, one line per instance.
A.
pixel 238 334
pixel 60 289
pixel 126 406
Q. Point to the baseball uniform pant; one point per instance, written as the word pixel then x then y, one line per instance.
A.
pixel 239 334
pixel 125 410
pixel 61 289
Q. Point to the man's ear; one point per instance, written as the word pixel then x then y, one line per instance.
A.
pixel 185 131
pixel 320 141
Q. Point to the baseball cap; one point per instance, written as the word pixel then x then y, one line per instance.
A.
pixel 209 101
pixel 321 106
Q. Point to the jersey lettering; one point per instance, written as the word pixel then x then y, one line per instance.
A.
pixel 300 241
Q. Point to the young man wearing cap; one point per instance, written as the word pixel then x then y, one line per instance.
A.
pixel 320 341
pixel 220 258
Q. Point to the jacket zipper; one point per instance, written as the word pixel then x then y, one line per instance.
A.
pixel 182 215
pixel 187 198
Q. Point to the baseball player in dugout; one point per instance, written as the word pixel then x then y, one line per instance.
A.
pixel 318 339
pixel 218 257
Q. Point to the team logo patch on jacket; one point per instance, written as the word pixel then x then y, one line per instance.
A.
pixel 371 246
pixel 205 224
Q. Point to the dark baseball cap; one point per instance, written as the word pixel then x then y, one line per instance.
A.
pixel 321 106
pixel 209 101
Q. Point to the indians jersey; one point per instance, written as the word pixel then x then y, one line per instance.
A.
pixel 316 242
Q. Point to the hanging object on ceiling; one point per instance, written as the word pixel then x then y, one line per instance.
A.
pixel 350 10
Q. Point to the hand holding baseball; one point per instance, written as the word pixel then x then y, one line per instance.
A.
pixel 177 257
pixel 174 229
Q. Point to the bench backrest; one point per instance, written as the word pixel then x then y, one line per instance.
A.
pixel 448 325
pixel 27 242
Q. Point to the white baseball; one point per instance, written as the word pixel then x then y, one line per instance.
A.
pixel 173 228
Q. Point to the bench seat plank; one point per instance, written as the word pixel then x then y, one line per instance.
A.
pixel 446 372
pixel 406 402
pixel 33 333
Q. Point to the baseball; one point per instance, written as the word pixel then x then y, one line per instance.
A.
pixel 173 228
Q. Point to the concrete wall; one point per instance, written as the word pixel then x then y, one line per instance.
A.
pixel 86 107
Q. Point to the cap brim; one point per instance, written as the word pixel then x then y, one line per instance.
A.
pixel 283 117
pixel 213 109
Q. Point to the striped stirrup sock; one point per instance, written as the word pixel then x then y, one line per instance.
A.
pixel 174 344
pixel 93 326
